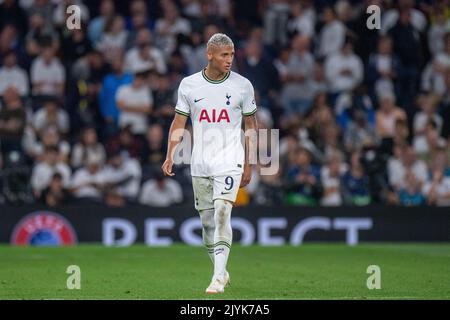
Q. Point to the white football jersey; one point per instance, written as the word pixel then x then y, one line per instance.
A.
pixel 216 109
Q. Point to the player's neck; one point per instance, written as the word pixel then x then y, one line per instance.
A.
pixel 213 74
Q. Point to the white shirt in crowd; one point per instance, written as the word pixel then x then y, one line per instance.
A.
pixel 165 35
pixel 151 195
pixel 421 119
pixel 390 18
pixel 334 198
pixel 81 153
pixel 51 75
pixel 82 178
pixel 132 96
pixel 397 172
pixel 303 24
pixel 14 77
pixel 111 43
pixel 40 120
pixel 331 38
pixel 336 63
pixel 129 168
pixel 133 61
pixel 442 190
pixel 43 173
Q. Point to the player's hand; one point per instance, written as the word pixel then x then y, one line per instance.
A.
pixel 167 167
pixel 246 176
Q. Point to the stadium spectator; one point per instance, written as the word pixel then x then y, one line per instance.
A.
pixel 114 39
pixel 302 20
pixel 394 15
pixel 355 183
pixel 260 71
pixel 47 74
pixel 161 192
pixel 153 152
pixel 302 179
pixel 405 159
pixel 430 143
pixel 107 100
pixel 12 76
pixel 330 177
pixel 437 190
pixel 43 171
pixel 383 69
pixel 12 121
pixel 97 24
pixel 144 55
pixel 74 45
pixel 344 69
pixel 349 103
pixel 51 114
pixel 126 142
pixel 56 194
pixel 275 18
pixel 410 194
pixel 40 34
pixel 169 26
pixel 407 41
pixel 49 137
pixel 332 35
pixel 87 147
pixel 87 183
pixel 12 13
pixel 433 77
pixel 428 113
pixel 135 102
pixel 387 115
pixel 138 19
pixel 297 93
pixel 197 59
pixel 439 26
pixel 45 9
pixel 123 175
pixel 359 132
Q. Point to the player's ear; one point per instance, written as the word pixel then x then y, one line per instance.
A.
pixel 209 55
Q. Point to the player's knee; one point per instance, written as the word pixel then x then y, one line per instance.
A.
pixel 207 222
pixel 222 211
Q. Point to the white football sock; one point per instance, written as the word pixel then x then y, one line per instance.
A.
pixel 208 225
pixel 223 236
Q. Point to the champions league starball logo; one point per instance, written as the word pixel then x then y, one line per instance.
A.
pixel 43 228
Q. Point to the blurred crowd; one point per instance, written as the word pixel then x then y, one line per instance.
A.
pixel 363 113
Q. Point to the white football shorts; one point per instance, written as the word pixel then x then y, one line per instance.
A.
pixel 208 189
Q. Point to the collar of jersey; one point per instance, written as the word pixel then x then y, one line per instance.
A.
pixel 215 81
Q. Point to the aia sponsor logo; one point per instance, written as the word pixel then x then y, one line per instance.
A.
pixel 43 228
pixel 213 116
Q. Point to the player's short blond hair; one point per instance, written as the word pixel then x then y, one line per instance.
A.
pixel 219 40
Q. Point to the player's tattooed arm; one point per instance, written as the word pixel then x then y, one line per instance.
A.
pixel 251 143
pixel 175 137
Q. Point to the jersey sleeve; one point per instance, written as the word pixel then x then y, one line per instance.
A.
pixel 182 106
pixel 248 100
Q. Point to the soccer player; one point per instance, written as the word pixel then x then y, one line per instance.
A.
pixel 216 99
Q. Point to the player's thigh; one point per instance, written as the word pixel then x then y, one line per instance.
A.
pixel 203 193
pixel 226 187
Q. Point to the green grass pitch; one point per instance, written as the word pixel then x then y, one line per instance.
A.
pixel 311 271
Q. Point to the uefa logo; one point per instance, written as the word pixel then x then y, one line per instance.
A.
pixel 43 228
